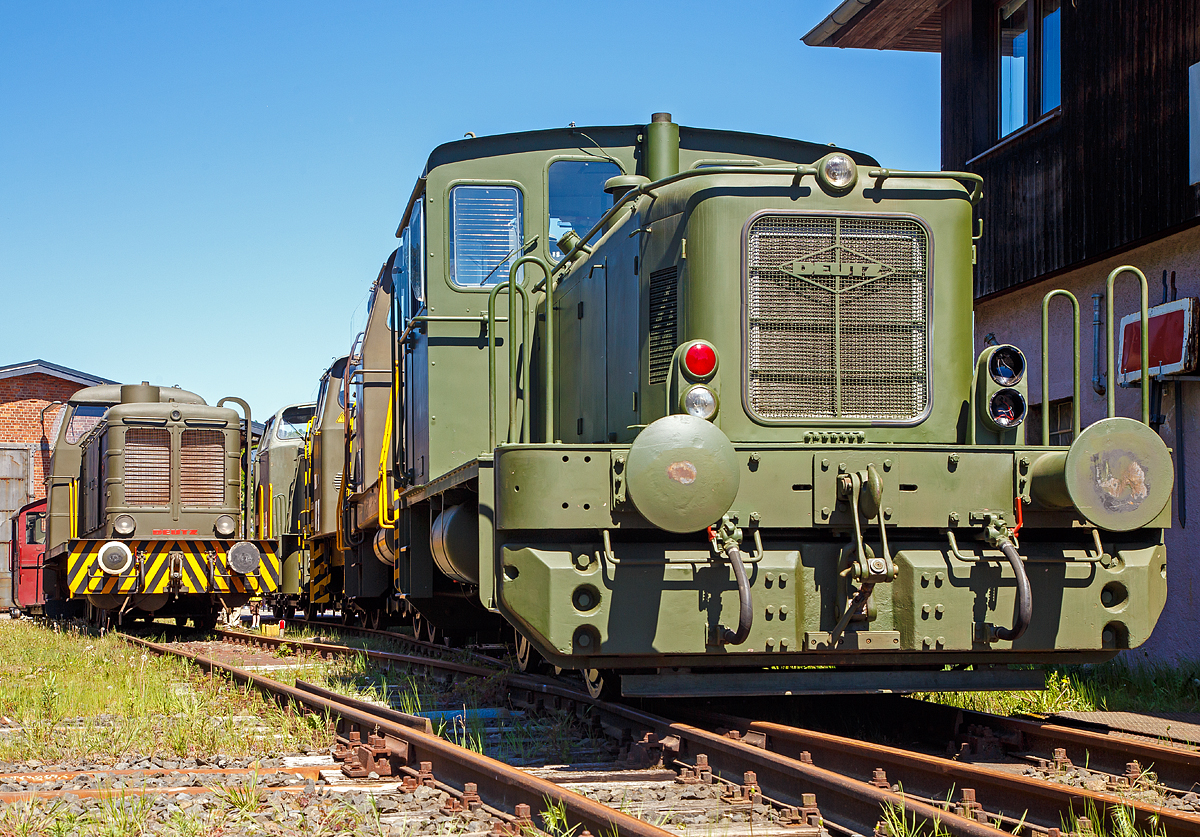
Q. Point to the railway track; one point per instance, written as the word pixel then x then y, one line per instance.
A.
pixel 810 780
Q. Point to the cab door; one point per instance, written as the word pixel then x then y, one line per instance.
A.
pixel 29 541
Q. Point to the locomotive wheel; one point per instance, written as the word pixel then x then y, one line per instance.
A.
pixel 601 685
pixel 206 621
pixel 180 621
pixel 527 658
pixel 374 618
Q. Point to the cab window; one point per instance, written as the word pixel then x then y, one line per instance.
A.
pixel 577 200
pixel 294 422
pixel 84 420
pixel 416 251
pixel 486 234
pixel 35 528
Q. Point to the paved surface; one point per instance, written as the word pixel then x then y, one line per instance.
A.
pixel 1177 726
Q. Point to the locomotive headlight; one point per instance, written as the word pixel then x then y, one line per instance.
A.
pixel 115 558
pixel 1006 408
pixel 1007 366
pixel 244 558
pixel 837 172
pixel 123 524
pixel 225 525
pixel 700 401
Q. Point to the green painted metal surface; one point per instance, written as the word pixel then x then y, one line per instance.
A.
pixel 841 317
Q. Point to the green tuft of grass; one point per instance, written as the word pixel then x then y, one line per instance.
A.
pixel 1117 685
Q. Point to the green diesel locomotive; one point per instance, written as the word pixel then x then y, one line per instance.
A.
pixel 145 512
pixel 279 500
pixel 701 409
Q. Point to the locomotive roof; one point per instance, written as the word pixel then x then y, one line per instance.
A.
pixel 111 394
pixel 617 136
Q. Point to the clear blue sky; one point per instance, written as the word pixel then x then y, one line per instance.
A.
pixel 202 193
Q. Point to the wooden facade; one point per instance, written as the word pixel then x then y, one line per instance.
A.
pixel 1106 170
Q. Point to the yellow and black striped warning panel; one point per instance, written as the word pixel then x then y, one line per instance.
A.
pixel 264 578
pixel 320 577
pixel 170 566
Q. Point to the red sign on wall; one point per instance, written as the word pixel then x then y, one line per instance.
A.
pixel 1173 341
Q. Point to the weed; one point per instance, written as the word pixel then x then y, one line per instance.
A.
pixel 1112 686
pixel 1119 823
pixel 897 823
pixel 243 799
pixel 554 819
pixel 120 815
pixel 28 818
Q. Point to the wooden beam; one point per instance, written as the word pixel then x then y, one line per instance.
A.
pixel 894 24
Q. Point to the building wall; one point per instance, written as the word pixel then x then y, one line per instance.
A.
pixel 1107 169
pixel 1015 317
pixel 22 399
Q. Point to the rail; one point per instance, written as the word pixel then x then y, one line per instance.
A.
pixel 1046 363
pixel 500 785
pixel 1145 341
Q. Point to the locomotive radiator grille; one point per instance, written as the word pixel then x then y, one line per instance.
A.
pixel 202 469
pixel 837 310
pixel 147 466
pixel 664 315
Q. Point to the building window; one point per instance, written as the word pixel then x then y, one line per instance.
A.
pixel 1030 61
pixel 1061 430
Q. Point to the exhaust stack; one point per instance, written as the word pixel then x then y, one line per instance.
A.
pixel 662 147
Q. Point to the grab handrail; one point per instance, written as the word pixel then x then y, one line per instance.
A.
pixel 1046 363
pixel 1145 341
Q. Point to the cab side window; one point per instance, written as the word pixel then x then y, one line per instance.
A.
pixel 486 234
pixel 35 528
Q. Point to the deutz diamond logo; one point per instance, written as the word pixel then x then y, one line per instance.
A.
pixel 828 263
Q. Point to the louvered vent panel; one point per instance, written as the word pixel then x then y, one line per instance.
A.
pixel 147 466
pixel 664 328
pixel 202 469
pixel 837 312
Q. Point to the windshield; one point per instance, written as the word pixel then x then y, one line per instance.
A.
pixel 486 233
pixel 294 422
pixel 577 197
pixel 83 420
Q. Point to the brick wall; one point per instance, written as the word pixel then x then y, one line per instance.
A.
pixel 22 399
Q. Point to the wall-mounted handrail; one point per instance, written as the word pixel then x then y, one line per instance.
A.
pixel 1145 341
pixel 1046 363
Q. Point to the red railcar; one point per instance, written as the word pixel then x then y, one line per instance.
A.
pixel 28 553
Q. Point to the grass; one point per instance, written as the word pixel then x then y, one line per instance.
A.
pixel 77 697
pixel 1113 686
pixel 1118 823
pixel 898 823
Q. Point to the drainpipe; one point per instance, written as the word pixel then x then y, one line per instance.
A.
pixel 1097 322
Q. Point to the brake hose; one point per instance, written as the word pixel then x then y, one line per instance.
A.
pixel 1024 614
pixel 745 605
